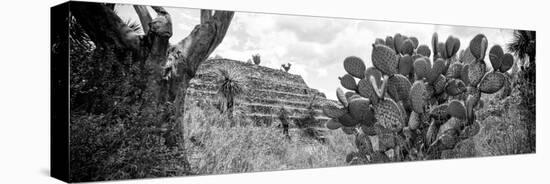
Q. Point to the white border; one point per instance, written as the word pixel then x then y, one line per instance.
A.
pixel 25 102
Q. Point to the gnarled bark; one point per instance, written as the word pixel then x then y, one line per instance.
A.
pixel 170 67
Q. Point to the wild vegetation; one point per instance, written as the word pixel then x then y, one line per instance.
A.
pixel 429 110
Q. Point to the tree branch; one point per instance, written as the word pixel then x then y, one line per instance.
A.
pixel 185 57
pixel 159 34
pixel 144 17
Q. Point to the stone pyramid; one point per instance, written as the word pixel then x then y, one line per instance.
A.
pixel 267 90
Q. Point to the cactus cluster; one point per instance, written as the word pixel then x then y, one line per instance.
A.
pixel 415 102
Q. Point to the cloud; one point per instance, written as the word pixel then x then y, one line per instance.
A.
pixel 316 46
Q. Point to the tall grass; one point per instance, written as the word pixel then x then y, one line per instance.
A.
pixel 504 131
pixel 214 147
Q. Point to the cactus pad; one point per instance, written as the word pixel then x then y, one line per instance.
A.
pixel 457 109
pixel 415 42
pixel 388 115
pixel 471 102
pixel 389 42
pixel 478 46
pixel 495 56
pixel 442 50
pixel 407 47
pixel 474 92
pixel 452 45
pixel 363 144
pixel 398 40
pixel 455 87
pixel 467 57
pixel 348 94
pixel 398 87
pixel 453 124
pixel 386 141
pixel 435 42
pixel 454 70
pixel 507 62
pixel 369 130
pixel 438 68
pixel 471 130
pixel 384 59
pixel 341 97
pixel 448 139
pixel 476 71
pixel 332 110
pixel 418 96
pixel 492 82
pixel 421 68
pixel 439 112
pixel 360 110
pixel 424 50
pixel 414 121
pixel 464 74
pixel 355 66
pixel 365 89
pixel 439 84
pixel 347 81
pixel 405 66
pixel 379 41
pixel 347 120
pixel 333 124
pixel 372 71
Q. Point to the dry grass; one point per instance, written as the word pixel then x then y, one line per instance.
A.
pixel 215 147
pixel 503 132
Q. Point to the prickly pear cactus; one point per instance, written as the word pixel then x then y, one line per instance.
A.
pixel 431 96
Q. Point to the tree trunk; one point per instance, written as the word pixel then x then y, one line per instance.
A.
pixel 170 67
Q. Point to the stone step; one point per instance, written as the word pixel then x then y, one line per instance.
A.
pixel 268 119
pixel 208 81
pixel 248 99
pixel 275 109
pixel 268 95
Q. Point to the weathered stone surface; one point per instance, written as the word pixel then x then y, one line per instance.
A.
pixel 267 89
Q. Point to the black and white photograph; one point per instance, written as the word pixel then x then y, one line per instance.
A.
pixel 160 91
pixel 274 91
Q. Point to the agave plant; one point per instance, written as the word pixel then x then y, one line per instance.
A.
pixel 414 106
pixel 524 44
pixel 257 59
pixel 230 86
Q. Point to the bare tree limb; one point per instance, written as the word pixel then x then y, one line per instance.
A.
pixel 144 17
pixel 185 57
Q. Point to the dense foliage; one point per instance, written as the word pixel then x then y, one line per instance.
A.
pixel 117 128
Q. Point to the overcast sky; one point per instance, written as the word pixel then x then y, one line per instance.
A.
pixel 315 46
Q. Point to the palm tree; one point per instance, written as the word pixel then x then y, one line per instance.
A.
pixel 523 45
pixel 230 86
